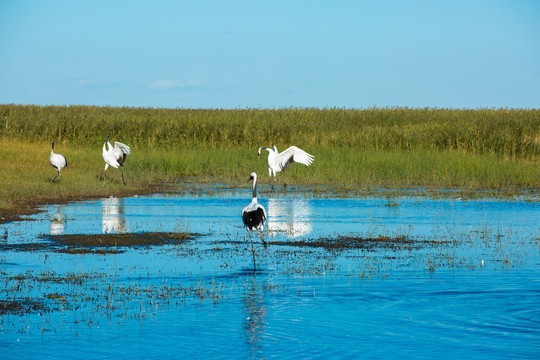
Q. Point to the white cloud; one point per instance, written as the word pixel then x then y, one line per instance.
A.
pixel 174 84
pixel 92 82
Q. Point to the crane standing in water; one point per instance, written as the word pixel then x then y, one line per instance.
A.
pixel 254 216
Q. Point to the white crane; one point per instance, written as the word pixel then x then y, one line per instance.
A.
pixel 279 161
pixel 115 156
pixel 58 161
pixel 254 216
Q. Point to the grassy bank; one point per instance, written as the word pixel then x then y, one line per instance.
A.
pixel 395 148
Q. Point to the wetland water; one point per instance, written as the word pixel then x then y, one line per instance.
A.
pixel 369 277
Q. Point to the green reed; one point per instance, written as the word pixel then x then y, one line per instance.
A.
pixel 505 132
pixel 378 147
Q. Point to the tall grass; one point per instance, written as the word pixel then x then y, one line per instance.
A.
pixel 504 132
pixel 391 147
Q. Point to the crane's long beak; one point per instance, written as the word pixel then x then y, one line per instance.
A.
pixel 258 156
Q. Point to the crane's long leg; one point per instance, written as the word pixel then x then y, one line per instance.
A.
pixel 262 239
pixel 58 175
pixel 102 175
pixel 124 181
pixel 253 252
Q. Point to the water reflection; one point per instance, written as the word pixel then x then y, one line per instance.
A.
pixel 290 217
pixel 58 222
pixel 113 219
pixel 254 319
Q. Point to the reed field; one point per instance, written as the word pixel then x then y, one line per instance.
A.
pixel 370 148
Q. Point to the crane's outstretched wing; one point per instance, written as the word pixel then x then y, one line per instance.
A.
pixel 120 152
pixel 125 149
pixel 291 155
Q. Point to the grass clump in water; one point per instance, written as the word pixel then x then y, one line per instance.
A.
pixel 77 244
pixel 343 242
pixel 18 307
pixel 101 243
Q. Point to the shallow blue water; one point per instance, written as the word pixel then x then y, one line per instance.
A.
pixel 474 293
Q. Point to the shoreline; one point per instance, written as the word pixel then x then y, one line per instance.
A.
pixel 26 208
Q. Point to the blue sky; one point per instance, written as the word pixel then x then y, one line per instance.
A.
pixel 271 54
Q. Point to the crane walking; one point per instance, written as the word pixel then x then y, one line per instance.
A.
pixel 58 161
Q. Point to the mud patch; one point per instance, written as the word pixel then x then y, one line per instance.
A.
pixel 30 247
pixel 121 240
pixel 353 242
pixel 18 307
pixel 17 214
pixel 53 277
pixel 101 244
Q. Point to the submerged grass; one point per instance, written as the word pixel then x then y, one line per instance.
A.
pixel 100 243
pixel 360 242
pixel 23 306
pixel 387 148
pixel 121 240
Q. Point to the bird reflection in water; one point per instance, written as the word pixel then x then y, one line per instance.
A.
pixel 58 222
pixel 254 318
pixel 113 219
pixel 289 217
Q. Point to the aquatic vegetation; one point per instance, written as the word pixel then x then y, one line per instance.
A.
pixel 100 243
pixel 357 242
pixel 121 240
pixel 19 307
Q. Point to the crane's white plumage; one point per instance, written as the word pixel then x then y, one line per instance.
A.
pixel 115 156
pixel 254 215
pixel 58 162
pixel 279 161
